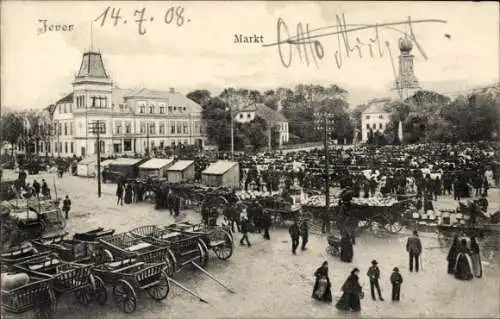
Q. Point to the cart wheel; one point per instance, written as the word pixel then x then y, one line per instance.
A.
pixel 100 293
pixel 171 263
pixel 84 295
pixel 125 296
pixel 224 251
pixel 205 251
pixel 161 290
pixel 103 256
pixel 393 227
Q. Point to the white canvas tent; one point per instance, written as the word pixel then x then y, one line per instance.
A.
pixel 86 167
pixel 155 167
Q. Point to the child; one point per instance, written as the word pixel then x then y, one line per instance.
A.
pixel 396 281
pixel 374 274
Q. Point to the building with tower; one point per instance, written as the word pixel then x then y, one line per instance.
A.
pixel 134 121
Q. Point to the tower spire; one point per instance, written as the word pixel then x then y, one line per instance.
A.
pixel 91 36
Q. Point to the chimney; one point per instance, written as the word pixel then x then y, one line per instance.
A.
pixel 172 90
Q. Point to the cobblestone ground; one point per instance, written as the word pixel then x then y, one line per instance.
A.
pixel 270 282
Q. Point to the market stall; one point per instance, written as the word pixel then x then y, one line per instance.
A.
pixel 222 173
pixel 181 171
pixel 128 167
pixel 87 167
pixel 156 167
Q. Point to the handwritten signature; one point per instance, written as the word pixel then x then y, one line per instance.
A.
pixel 309 47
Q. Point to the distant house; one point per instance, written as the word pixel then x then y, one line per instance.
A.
pixel 374 118
pixel 273 118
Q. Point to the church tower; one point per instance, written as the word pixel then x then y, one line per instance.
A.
pixel 406 82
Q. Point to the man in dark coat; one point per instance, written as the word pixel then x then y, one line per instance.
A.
pixel 396 281
pixel 346 248
pixel 266 224
pixel 294 232
pixel 66 206
pixel 304 233
pixel 374 275
pixel 244 230
pixel 258 215
pixel 36 187
pixel 177 205
pixel 414 249
pixel 119 194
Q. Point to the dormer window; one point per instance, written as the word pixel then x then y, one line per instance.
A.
pixel 367 117
pixel 380 116
pixel 175 108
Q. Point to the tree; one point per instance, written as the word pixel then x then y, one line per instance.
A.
pixel 199 96
pixel 12 129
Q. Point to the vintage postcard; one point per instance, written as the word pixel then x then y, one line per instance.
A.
pixel 249 159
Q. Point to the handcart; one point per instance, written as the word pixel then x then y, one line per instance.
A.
pixel 67 277
pixel 216 238
pixel 131 275
pixel 83 248
pixel 183 248
pixel 20 253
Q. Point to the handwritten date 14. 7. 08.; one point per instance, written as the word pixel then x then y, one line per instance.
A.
pixel 172 15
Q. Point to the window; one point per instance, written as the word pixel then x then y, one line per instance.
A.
pixel 102 146
pixel 185 128
pixel 65 129
pixel 179 128
pixel 367 126
pixel 162 145
pixel 249 115
pixel 170 109
pixel 60 147
pixel 127 145
pixel 70 108
pixel 380 116
pixel 143 125
pixel 127 127
pixel 380 125
pixel 151 109
pixel 241 115
pixel 60 108
pixel 184 108
pixel 118 128
pixel 162 128
pixel 186 142
pixel 367 117
pixel 172 128
pixel 162 110
pixel 374 126
pixel 142 109
pixel 71 129
pixel 59 129
pixel 152 128
pixel 93 103
pixel 175 108
pixel 65 108
pixel 71 147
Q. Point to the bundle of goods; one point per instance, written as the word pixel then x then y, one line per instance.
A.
pixel 374 201
pixel 320 201
pixel 245 195
pixel 452 217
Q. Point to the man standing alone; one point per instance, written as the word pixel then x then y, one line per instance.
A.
pixel 294 232
pixel 414 249
pixel 66 206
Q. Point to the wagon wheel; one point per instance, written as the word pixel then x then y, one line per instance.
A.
pixel 45 305
pixel 225 250
pixel 160 291
pixel 203 255
pixel 125 296
pixel 84 294
pixel 102 256
pixel 171 262
pixel 100 293
pixel 205 250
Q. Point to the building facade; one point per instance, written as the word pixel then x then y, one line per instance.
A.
pixel 132 121
pixel 374 118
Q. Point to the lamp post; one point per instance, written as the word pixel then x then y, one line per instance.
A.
pixel 324 123
pixel 97 127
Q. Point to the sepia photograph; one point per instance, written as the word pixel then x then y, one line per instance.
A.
pixel 249 159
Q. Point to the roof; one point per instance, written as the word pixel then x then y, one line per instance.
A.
pixel 172 98
pixel 377 106
pixel 126 161
pixel 268 114
pixel 118 97
pixel 179 166
pixel 92 66
pixel 219 167
pixel 107 162
pixel 156 163
pixel 67 99
pixel 87 161
pixel 248 108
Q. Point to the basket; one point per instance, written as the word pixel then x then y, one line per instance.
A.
pixel 27 297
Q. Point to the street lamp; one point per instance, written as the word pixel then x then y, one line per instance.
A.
pixel 97 128
pixel 324 122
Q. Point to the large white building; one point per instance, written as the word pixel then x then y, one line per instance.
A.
pixel 133 121
pixel 374 118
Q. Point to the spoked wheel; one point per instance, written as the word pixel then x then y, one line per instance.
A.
pixel 125 296
pixel 205 251
pixel 202 256
pixel 84 295
pixel 161 290
pixel 225 250
pixel 100 293
pixel 171 262
pixel 102 256
pixel 45 305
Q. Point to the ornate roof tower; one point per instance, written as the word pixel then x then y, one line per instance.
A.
pixel 406 80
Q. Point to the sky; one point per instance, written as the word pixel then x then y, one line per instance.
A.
pixel 38 69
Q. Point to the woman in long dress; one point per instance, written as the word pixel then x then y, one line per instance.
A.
pixel 351 298
pixel 322 286
pixel 463 265
pixel 452 255
pixel 128 194
pixel 477 268
pixel 346 250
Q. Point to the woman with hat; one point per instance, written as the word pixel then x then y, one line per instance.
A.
pixel 351 298
pixel 322 286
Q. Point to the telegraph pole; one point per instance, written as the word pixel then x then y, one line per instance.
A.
pixel 95 128
pixel 325 122
pixel 232 132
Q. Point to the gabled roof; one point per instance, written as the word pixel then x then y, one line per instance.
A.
pixel 268 114
pixel 126 161
pixel 92 66
pixel 173 98
pixel 377 106
pixel 118 97
pixel 67 99
pixel 179 166
pixel 219 167
pixel 156 163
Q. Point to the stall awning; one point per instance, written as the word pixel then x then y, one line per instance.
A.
pixel 88 161
pixel 126 161
pixel 156 163
pixel 180 166
pixel 219 168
